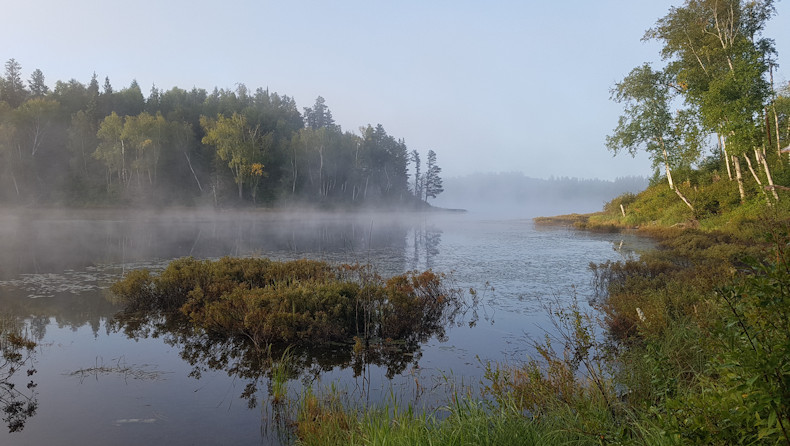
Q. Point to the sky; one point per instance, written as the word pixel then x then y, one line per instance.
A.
pixel 495 86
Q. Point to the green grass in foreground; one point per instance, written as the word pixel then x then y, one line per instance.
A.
pixel 467 421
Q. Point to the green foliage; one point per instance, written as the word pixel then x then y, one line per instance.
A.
pixel 755 359
pixel 82 146
pixel 299 302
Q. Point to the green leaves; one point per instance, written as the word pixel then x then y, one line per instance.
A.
pixel 239 143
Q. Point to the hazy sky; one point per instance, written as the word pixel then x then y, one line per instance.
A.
pixel 490 86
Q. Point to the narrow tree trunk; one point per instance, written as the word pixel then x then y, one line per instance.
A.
pixel 751 169
pixel 123 164
pixel 321 171
pixel 723 145
pixel 739 177
pixel 773 107
pixel 756 178
pixel 776 122
pixel 16 187
pixel 682 197
pixel 193 171
pixel 768 175
pixel 666 166
pixel 295 172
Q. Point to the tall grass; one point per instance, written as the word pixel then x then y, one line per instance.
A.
pixel 465 421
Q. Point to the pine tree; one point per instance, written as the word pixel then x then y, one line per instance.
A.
pixel 433 182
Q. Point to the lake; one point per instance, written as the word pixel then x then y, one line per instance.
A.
pixel 97 382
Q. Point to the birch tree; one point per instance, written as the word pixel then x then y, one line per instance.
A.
pixel 111 149
pixel 649 124
pixel 237 143
pixel 717 54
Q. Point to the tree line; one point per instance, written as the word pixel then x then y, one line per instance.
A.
pixel 80 144
pixel 716 90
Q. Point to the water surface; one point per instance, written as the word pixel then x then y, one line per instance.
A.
pixel 97 385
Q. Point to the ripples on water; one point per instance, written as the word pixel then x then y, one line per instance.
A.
pixel 54 271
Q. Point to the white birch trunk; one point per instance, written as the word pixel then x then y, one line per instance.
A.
pixel 756 178
pixel 16 187
pixel 739 177
pixel 666 166
pixel 776 123
pixel 768 175
pixel 193 171
pixel 723 145
pixel 682 197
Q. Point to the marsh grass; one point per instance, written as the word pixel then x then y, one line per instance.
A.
pixel 464 421
pixel 301 302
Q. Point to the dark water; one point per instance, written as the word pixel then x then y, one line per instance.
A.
pixel 96 385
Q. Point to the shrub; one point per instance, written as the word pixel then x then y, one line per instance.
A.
pixel 297 302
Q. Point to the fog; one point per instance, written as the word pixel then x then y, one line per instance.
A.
pixel 513 195
pixel 40 241
pixel 44 240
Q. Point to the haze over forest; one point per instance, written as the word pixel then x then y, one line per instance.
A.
pixel 80 144
pixel 90 145
pixel 490 87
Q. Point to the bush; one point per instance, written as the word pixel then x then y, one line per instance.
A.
pixel 297 302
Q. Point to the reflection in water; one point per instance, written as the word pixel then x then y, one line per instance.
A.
pixel 52 264
pixel 273 366
pixel 54 270
pixel 80 240
pixel 427 238
pixel 18 400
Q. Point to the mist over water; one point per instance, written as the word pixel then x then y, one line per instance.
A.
pixel 95 384
pixel 512 195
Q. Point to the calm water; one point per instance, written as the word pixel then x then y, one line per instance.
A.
pixel 95 385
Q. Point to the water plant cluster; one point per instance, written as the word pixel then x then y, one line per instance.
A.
pixel 301 302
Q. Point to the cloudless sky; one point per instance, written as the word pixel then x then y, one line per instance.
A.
pixel 495 86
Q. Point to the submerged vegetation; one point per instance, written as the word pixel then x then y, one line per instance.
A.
pixel 16 402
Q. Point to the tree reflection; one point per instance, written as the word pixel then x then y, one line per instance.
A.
pixel 241 358
pixel 18 403
pixel 427 239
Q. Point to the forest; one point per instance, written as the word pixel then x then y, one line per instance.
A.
pixel 90 145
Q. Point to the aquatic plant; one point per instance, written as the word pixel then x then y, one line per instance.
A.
pixel 17 349
pixel 302 302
